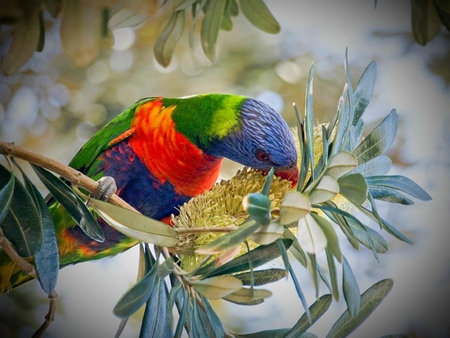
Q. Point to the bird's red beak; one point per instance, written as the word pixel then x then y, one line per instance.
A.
pixel 290 174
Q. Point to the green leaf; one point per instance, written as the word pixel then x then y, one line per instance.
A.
pixel 229 240
pixel 74 206
pixel 327 188
pixel 165 268
pixel 258 207
pixel 169 37
pixel 276 333
pixel 261 277
pixel 370 299
pixel 401 183
pixel 46 259
pixel 268 234
pixel 350 288
pixel 341 164
pixel 310 235
pixel 217 287
pixel 300 293
pixel 210 319
pixel 379 165
pixel 425 23
pixel 389 195
pixel 258 256
pixel 248 296
pixel 295 249
pixel 330 234
pixel 363 91
pixel 294 206
pixel 22 225
pixel 379 139
pixel 214 11
pixel 363 233
pixel 395 232
pixel 179 5
pixel 6 191
pixel 136 225
pixel 354 188
pixel 309 119
pixel 259 16
pixel 268 182
pixel 156 321
pixel 136 296
pixel 333 274
pixel 317 309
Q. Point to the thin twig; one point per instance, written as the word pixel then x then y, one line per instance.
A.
pixel 49 318
pixel 74 176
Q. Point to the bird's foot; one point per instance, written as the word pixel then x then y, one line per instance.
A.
pixel 106 188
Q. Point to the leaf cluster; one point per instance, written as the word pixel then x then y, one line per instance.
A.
pixel 86 28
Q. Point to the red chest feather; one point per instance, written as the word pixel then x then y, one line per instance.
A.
pixel 169 155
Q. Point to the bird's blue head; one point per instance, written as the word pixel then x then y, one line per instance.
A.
pixel 261 140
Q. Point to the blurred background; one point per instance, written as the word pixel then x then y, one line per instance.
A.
pixel 53 106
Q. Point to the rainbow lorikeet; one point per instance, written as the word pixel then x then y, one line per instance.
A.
pixel 162 152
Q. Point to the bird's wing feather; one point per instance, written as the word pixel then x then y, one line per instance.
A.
pixel 114 132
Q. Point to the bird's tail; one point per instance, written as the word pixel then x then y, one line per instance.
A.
pixel 11 275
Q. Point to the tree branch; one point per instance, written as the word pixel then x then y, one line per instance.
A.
pixel 74 176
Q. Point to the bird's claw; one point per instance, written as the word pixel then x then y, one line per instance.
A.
pixel 106 188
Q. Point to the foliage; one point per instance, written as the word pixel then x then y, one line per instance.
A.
pixel 341 175
pixel 86 27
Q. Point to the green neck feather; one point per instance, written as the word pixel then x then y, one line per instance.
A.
pixel 206 118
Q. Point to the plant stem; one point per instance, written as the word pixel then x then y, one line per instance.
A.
pixel 74 176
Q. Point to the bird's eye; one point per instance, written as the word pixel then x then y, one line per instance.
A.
pixel 262 156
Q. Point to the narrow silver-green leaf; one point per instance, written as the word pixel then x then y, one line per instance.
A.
pixel 260 16
pixel 363 90
pixel 330 234
pixel 342 163
pixel 47 258
pixel 309 118
pixel 379 165
pixel 179 5
pixel 169 37
pixel 136 225
pixel 248 296
pixel 136 296
pixel 379 139
pixel 401 183
pixel 258 256
pixel 353 187
pixel 370 299
pixel 295 249
pixel 317 310
pixel 214 11
pixel 327 188
pixel 333 274
pixel 350 288
pixel 294 206
pixel 363 233
pixel 156 321
pixel 258 207
pixel 300 293
pixel 165 268
pixel 74 206
pixel 261 277
pixel 22 225
pixel 217 287
pixel 229 240
pixel 388 194
pixel 6 192
pixel 268 234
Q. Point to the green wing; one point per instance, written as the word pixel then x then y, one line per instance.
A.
pixel 104 138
